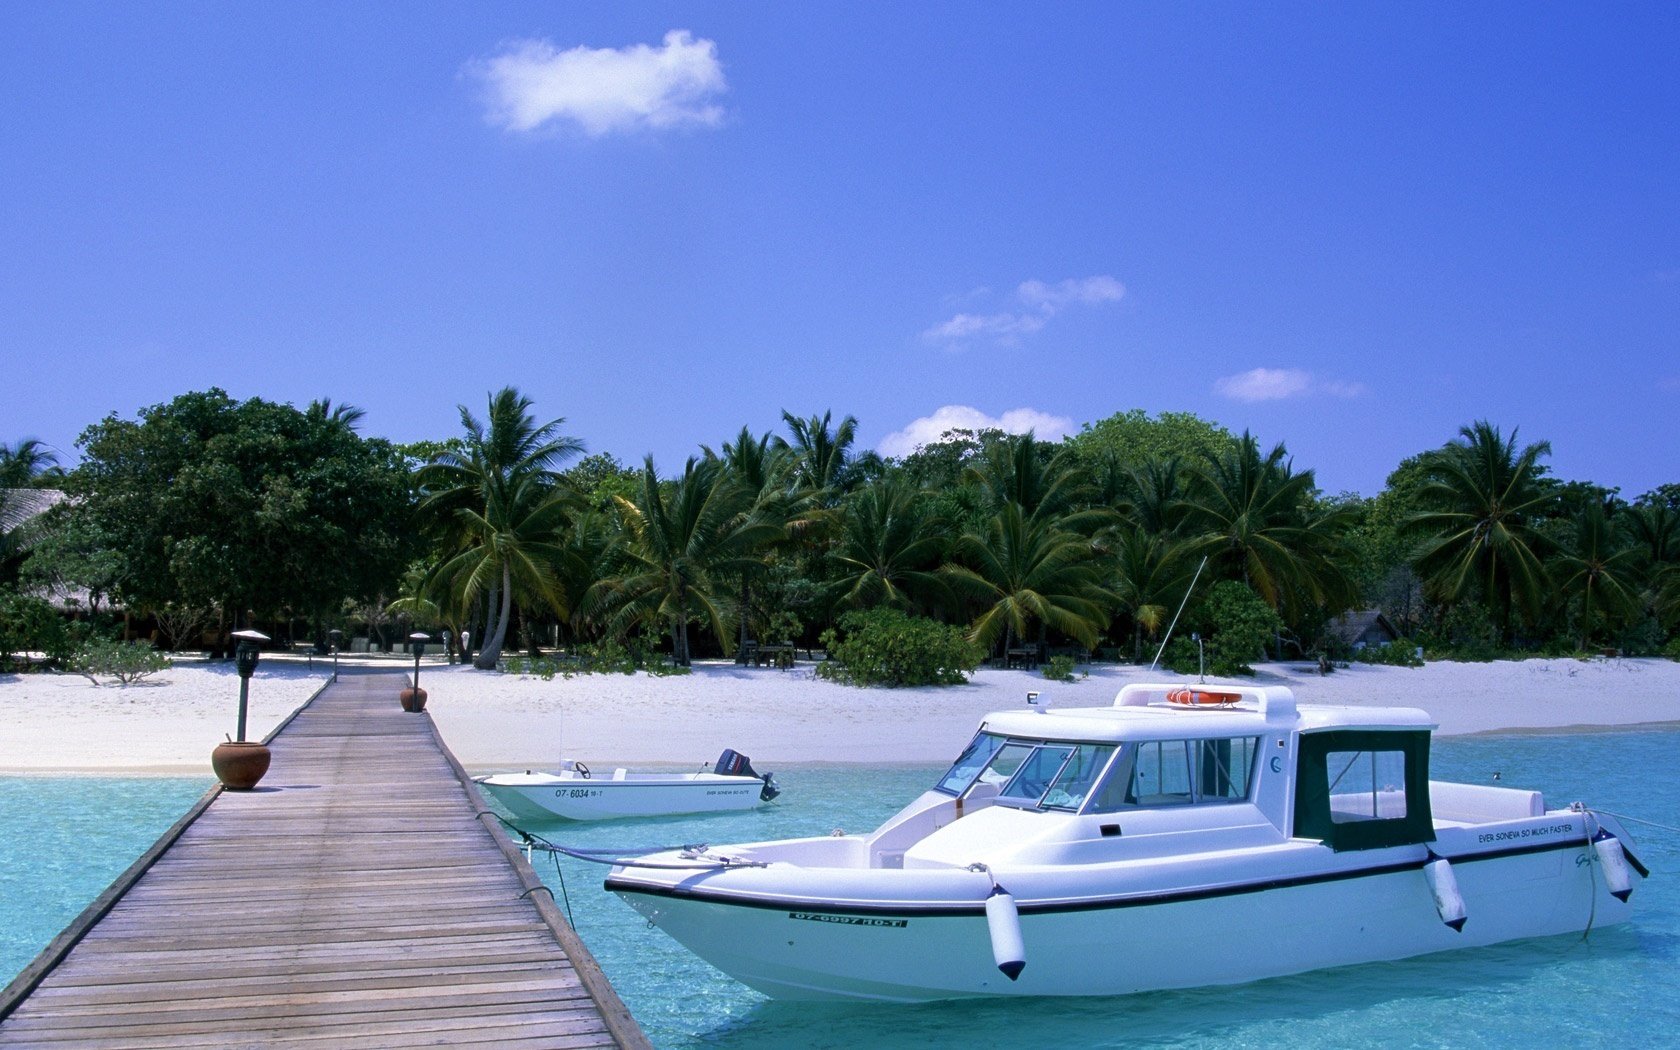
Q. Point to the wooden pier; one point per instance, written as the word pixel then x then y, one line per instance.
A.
pixel 361 896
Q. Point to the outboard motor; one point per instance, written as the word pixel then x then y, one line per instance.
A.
pixel 734 764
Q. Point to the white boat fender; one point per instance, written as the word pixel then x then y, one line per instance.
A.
pixel 1443 886
pixel 1003 919
pixel 1613 859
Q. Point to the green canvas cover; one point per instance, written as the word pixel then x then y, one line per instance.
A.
pixel 1312 789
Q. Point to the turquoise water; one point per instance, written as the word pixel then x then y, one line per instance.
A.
pixel 63 839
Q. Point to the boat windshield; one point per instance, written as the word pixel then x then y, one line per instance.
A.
pixel 968 765
pixel 1057 776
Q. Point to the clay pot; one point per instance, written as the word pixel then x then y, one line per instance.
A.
pixel 239 764
pixel 413 699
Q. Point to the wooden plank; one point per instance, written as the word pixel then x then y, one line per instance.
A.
pixel 359 896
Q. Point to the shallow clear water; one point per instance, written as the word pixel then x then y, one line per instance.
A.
pixel 62 840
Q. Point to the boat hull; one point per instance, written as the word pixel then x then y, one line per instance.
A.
pixel 546 797
pixel 1357 910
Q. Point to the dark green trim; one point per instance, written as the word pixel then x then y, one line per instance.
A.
pixel 1312 790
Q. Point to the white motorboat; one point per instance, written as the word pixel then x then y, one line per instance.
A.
pixel 1220 836
pixel 575 793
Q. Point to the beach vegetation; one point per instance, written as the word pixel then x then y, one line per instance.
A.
pixel 30 625
pixel 496 509
pixel 1234 623
pixel 680 543
pixel 1027 575
pixel 250 506
pixel 1059 668
pixel 885 646
pixel 1481 500
pixel 98 657
pixel 207 513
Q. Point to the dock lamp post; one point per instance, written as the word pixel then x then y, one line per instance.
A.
pixel 414 697
pixel 335 638
pixel 240 763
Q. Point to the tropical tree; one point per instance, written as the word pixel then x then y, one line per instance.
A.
pixel 498 508
pixel 1259 522
pixel 1151 578
pixel 249 506
pixel 887 549
pixel 821 455
pixel 759 466
pixel 22 462
pixel 1480 498
pixel 1026 571
pixel 681 542
pixel 1598 571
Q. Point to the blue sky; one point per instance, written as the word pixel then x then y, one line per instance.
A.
pixel 1350 228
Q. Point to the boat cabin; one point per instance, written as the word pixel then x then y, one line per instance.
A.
pixel 1352 777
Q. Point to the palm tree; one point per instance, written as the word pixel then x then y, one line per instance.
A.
pixel 1598 570
pixel 347 416
pixel 887 547
pixel 680 541
pixel 21 464
pixel 760 466
pixel 1029 571
pixel 1481 496
pixel 498 506
pixel 1151 576
pixel 821 454
pixel 1259 521
pixel 24 461
pixel 1012 471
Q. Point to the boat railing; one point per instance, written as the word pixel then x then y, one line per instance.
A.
pixel 1271 701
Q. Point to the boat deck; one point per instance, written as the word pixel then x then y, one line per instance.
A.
pixel 361 895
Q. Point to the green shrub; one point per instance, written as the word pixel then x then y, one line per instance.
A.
pixel 1398 653
pixel 1059 669
pixel 127 662
pixel 886 647
pixel 1672 649
pixel 1237 624
pixel 605 657
pixel 30 625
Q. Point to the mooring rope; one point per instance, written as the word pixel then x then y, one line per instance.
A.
pixel 1636 820
pixel 629 857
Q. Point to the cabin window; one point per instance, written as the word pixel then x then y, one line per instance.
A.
pixel 1033 776
pixel 1078 774
pixel 1363 788
pixel 1366 785
pixel 1179 773
pixel 968 765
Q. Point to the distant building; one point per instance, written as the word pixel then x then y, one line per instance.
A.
pixel 1364 627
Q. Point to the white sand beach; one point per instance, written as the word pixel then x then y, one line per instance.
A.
pixel 169 723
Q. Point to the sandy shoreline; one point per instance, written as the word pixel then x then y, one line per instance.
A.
pixel 168 725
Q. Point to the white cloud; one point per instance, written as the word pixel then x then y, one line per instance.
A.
pixel 1277 384
pixel 928 429
pixel 1040 302
pixel 1085 291
pixel 1003 326
pixel 603 90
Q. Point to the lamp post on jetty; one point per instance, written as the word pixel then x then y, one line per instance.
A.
pixel 239 764
pixel 414 697
pixel 335 638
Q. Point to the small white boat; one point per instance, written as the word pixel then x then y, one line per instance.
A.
pixel 1179 838
pixel 575 793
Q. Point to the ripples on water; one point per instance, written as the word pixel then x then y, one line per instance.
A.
pixel 64 839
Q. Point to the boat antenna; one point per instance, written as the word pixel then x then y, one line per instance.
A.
pixel 1187 592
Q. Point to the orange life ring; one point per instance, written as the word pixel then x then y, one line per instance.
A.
pixel 1199 697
